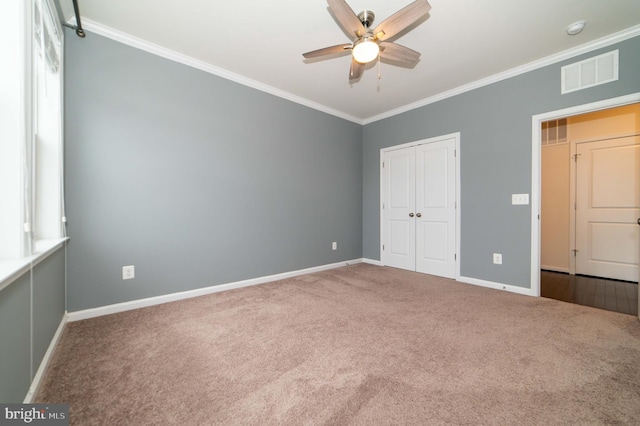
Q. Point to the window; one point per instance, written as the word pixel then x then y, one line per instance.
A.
pixel 13 98
pixel 47 209
pixel 31 206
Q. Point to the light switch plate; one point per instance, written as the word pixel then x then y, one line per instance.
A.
pixel 519 199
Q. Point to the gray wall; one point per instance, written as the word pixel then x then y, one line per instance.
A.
pixel 495 126
pixel 196 180
pixel 48 302
pixel 26 330
pixel 15 335
pixel 199 181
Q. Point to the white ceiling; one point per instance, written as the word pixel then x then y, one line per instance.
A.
pixel 461 42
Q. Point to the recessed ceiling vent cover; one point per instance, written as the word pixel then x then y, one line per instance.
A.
pixel 590 72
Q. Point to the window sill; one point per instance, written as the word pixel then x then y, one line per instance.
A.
pixel 12 269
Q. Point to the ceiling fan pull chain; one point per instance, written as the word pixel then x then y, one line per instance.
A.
pixel 379 67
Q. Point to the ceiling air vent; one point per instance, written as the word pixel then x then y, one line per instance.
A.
pixel 590 72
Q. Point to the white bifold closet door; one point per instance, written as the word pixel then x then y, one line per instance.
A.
pixel 419 218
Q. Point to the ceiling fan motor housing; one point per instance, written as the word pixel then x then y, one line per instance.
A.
pixel 366 17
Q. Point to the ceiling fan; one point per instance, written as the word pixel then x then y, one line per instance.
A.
pixel 369 44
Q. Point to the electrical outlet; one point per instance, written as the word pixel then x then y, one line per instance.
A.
pixel 128 272
pixel 497 258
pixel 334 245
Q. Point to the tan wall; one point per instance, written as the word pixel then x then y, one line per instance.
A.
pixel 555 207
pixel 604 124
pixel 556 163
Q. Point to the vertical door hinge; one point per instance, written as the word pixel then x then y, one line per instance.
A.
pixel 575 205
pixel 575 252
pixel 575 157
pixel 455 256
pixel 383 164
pixel 455 152
pixel 383 247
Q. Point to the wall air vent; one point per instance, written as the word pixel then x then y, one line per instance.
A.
pixel 590 72
pixel 554 132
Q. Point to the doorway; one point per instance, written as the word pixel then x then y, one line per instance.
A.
pixel 595 187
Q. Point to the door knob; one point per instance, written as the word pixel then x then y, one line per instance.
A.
pixel 420 215
pixel 410 214
pixel 639 221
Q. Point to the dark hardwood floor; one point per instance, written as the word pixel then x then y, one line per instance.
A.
pixel 612 295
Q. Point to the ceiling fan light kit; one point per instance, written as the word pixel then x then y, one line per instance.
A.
pixel 368 45
pixel 365 50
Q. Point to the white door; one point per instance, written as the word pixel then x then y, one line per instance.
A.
pixel 607 208
pixel 418 202
pixel 435 208
pixel 399 230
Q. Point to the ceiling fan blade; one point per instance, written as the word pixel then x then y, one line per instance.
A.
pixel 347 18
pixel 402 19
pixel 355 72
pixel 328 51
pixel 398 53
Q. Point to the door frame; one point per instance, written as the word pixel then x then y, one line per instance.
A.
pixel 536 169
pixel 383 151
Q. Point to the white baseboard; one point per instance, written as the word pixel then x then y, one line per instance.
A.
pixel 554 269
pixel 497 286
pixel 141 303
pixel 474 281
pixel 165 298
pixel 35 383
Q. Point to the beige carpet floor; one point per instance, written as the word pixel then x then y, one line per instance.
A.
pixel 358 345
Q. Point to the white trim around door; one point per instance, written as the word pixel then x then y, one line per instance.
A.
pixel 434 141
pixel 536 171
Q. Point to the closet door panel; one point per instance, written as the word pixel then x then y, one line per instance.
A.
pixel 399 227
pixel 435 208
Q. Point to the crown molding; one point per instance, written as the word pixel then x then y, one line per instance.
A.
pixel 172 55
pixel 513 72
pixel 129 40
